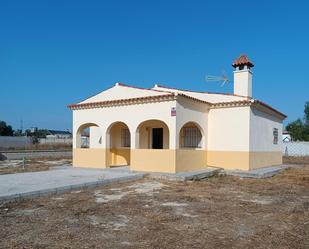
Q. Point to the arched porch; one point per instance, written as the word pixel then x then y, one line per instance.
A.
pixel 118 144
pixel 191 153
pixel 87 146
pixel 152 150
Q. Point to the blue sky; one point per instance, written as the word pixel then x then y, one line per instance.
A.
pixel 54 53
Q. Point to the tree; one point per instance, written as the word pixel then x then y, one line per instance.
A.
pixel 299 129
pixel 296 129
pixel 18 133
pixel 5 130
pixel 42 133
pixel 28 132
pixel 36 134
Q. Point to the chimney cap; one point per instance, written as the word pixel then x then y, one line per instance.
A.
pixel 242 60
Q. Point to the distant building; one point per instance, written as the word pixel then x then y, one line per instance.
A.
pixel 33 129
pixel 286 137
pixel 58 134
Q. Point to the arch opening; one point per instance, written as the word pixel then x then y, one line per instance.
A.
pixel 152 134
pixel 118 141
pixel 191 136
pixel 88 136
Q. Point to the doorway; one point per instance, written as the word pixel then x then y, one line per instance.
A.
pixel 157 138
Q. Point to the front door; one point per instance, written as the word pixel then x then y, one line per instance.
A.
pixel 157 138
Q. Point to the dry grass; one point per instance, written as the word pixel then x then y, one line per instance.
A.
pixel 31 165
pixel 296 160
pixel 221 212
pixel 54 146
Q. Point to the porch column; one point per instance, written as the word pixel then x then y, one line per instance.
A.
pixel 134 136
pixel 173 134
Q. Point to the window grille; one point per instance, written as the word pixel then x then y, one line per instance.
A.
pixel 125 138
pixel 275 136
pixel 191 137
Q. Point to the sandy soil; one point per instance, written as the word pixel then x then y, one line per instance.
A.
pixel 31 165
pixel 221 212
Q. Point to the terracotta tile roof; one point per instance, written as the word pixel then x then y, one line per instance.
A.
pixel 140 88
pixel 130 101
pixel 118 102
pixel 242 60
pixel 252 102
pixel 169 97
pixel 186 90
pixel 123 85
pixel 258 102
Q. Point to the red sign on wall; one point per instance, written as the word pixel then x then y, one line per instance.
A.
pixel 173 111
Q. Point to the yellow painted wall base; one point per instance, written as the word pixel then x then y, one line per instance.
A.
pixel 168 161
pixel 89 158
pixel 174 161
pixel 119 156
pixel 265 159
pixel 228 159
pixel 243 160
pixel 190 160
pixel 152 160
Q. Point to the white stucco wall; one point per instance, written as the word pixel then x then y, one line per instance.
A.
pixel 261 131
pixel 243 82
pixel 94 137
pixel 229 129
pixel 131 115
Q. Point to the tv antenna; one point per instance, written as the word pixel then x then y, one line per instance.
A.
pixel 223 79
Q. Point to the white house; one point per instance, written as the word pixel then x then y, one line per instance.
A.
pixel 163 129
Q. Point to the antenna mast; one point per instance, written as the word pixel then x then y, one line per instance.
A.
pixel 223 79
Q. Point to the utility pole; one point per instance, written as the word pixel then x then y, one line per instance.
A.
pixel 21 126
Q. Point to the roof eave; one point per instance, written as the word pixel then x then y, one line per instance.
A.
pixel 119 102
pixel 253 103
pixel 280 115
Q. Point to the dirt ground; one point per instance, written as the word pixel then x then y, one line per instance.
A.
pixel 31 165
pixel 54 146
pixel 220 212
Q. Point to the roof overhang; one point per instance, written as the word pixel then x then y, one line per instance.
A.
pixel 173 96
pixel 253 103
pixel 122 102
pixel 133 101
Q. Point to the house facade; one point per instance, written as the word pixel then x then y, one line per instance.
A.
pixel 170 130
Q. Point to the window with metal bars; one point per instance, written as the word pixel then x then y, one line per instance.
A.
pixel 191 137
pixel 125 138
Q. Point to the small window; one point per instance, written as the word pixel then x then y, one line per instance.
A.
pixel 191 137
pixel 275 136
pixel 125 138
